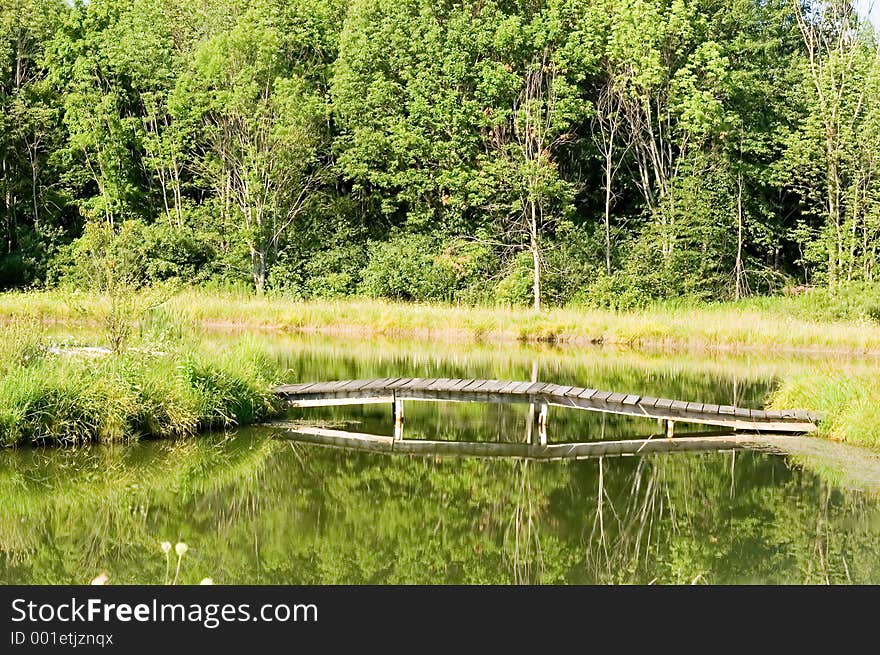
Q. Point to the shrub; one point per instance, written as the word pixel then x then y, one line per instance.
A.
pixel 422 267
pixel 132 254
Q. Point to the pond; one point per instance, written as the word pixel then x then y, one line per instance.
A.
pixel 256 507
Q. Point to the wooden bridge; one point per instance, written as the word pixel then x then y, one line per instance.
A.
pixel 542 395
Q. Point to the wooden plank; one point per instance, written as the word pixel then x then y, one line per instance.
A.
pixel 494 386
pixel 388 386
pixel 354 385
pixel 376 384
pixel 313 394
pixel 449 385
pixel 294 388
pixel 288 389
pixel 308 386
pixel 320 387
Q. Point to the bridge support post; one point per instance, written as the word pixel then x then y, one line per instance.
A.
pixel 670 429
pixel 397 414
pixel 542 424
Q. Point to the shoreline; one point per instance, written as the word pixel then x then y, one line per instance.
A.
pixel 701 330
pixel 710 328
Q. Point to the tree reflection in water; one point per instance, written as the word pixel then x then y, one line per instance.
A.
pixel 257 509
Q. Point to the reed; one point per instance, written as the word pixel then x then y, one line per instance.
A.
pixel 71 396
pixel 785 324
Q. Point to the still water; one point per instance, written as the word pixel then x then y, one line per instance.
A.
pixel 256 507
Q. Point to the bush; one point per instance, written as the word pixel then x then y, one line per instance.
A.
pixel 329 273
pixel 515 286
pixel 420 267
pixel 132 254
pixel 71 398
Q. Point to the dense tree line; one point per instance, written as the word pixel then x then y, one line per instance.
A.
pixel 603 152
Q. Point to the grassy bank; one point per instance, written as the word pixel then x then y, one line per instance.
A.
pixel 67 395
pixel 814 323
pixel 180 385
pixel 850 404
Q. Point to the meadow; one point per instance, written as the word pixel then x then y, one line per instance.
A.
pixel 169 378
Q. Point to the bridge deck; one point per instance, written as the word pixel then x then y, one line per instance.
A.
pixel 314 394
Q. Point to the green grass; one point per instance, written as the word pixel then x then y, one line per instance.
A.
pixel 196 384
pixel 787 323
pixel 71 397
pixel 850 404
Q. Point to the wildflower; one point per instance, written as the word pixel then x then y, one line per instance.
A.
pixel 206 581
pixel 101 578
pixel 180 549
pixel 166 547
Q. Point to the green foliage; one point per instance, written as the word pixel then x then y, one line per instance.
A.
pixel 134 255
pixel 850 405
pixel 419 267
pixel 280 144
pixel 74 396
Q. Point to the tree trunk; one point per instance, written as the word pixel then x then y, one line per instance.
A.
pixel 738 268
pixel 608 172
pixel 536 258
pixel 258 262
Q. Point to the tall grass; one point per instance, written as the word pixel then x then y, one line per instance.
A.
pixel 69 397
pixel 850 404
pixel 852 325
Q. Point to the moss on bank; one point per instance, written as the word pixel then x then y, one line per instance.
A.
pixel 70 396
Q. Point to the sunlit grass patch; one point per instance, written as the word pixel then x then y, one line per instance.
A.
pixel 850 404
pixel 68 398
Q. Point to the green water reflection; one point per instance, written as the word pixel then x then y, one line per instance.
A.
pixel 256 508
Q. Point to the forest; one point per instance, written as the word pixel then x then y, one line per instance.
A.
pixel 606 153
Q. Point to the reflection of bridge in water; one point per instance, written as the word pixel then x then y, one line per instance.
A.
pixel 742 428
pixel 651 445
